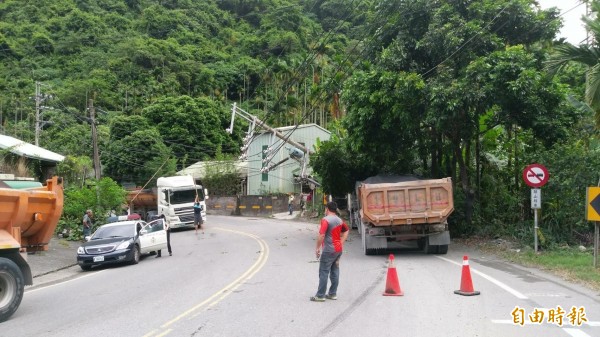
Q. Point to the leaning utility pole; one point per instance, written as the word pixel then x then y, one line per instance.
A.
pixel 94 138
pixel 300 154
pixel 255 121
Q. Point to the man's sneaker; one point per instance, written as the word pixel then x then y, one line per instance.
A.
pixel 331 297
pixel 317 299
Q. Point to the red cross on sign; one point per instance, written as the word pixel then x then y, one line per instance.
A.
pixel 535 175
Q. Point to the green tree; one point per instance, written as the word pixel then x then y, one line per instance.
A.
pixel 192 128
pixel 75 170
pixel 139 156
pixel 99 196
pixel 385 117
pixel 434 125
pixel 585 54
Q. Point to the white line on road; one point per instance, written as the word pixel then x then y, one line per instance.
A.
pixel 575 332
pixel 517 294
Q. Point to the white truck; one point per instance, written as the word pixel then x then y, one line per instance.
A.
pixel 175 199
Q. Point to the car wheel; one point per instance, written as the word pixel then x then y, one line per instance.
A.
pixel 85 267
pixel 136 255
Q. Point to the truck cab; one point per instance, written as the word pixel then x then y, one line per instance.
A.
pixel 175 198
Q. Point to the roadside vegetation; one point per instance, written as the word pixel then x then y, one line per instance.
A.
pixel 571 263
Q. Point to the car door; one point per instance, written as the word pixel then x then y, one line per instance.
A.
pixel 153 237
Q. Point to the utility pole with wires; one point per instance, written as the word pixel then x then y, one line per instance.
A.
pixel 94 138
pixel 39 99
pixel 299 153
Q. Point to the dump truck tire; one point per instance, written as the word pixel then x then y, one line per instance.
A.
pixel 12 287
pixel 442 249
pixel 428 248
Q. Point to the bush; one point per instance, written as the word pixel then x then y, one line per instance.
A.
pixel 100 196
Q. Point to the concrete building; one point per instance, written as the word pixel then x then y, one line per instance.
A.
pixel 283 177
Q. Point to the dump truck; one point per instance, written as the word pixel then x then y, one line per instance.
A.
pixel 28 218
pixel 143 202
pixel 390 210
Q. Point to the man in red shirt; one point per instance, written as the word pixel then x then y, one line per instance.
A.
pixel 332 235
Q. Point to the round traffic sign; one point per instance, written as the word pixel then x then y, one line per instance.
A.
pixel 535 175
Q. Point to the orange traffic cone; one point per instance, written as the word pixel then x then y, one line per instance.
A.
pixel 466 284
pixel 392 285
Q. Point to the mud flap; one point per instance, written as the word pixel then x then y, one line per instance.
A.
pixel 374 242
pixel 437 239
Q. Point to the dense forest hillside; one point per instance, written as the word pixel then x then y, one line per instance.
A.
pixel 433 88
pixel 175 63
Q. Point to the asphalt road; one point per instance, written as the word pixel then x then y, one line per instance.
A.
pixel 254 276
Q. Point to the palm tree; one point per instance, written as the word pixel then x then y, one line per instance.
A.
pixel 585 54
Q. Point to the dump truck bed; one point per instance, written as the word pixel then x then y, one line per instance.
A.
pixel 405 201
pixel 28 217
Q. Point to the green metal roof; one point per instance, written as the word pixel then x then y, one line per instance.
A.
pixel 22 184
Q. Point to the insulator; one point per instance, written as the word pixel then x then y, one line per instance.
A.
pixel 296 153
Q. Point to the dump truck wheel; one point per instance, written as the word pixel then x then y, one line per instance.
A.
pixel 442 249
pixel 421 243
pixel 429 249
pixel 12 286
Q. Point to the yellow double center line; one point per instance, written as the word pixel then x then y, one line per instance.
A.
pixel 226 291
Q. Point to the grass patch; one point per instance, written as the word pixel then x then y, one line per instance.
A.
pixel 566 262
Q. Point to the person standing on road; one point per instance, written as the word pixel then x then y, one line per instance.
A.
pixel 290 201
pixel 167 227
pixel 87 223
pixel 332 235
pixel 198 215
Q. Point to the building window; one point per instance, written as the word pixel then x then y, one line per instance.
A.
pixel 265 175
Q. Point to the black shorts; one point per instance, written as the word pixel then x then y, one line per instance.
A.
pixel 198 218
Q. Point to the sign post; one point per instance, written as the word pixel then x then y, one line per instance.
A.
pixel 593 214
pixel 536 203
pixel 536 176
pixel 596 244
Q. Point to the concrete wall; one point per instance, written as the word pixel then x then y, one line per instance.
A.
pixel 221 205
pixel 249 205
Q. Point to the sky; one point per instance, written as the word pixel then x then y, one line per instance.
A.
pixel 573 29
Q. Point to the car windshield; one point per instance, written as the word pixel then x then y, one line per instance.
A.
pixel 124 230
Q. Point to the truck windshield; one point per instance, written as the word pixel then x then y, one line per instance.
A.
pixel 187 196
